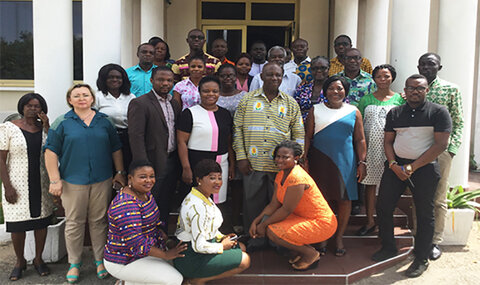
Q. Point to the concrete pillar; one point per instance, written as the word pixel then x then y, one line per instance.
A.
pixel 409 38
pixel 53 52
pixel 475 140
pixel 101 36
pixel 459 67
pixel 152 19
pixel 316 33
pixel 377 31
pixel 127 46
pixel 345 21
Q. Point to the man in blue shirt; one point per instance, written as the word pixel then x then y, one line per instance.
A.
pixel 139 75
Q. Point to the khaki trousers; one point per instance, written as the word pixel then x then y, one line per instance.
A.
pixel 440 199
pixel 82 202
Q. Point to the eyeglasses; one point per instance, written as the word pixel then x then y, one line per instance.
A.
pixel 225 76
pixel 418 88
pixel 193 37
pixel 356 57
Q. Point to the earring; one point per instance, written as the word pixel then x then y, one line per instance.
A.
pixel 199 183
pixel 130 186
pixel 296 161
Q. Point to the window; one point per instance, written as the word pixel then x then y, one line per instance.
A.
pixel 16 40
pixel 223 10
pixel 273 11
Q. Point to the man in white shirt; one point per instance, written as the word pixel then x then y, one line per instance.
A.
pixel 258 51
pixel 290 81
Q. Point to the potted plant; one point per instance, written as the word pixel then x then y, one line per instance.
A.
pixel 460 213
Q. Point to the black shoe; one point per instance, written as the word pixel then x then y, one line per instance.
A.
pixel 417 268
pixel 384 254
pixel 355 210
pixel 363 231
pixel 436 252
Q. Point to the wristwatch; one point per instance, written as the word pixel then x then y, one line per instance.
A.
pixel 122 172
pixel 409 168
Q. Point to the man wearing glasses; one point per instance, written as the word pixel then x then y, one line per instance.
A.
pixel 341 44
pixel 416 133
pixel 444 93
pixel 361 82
pixel 195 40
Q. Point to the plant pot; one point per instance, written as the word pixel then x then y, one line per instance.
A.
pixel 458 224
pixel 54 245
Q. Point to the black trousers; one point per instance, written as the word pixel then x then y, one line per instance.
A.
pixel 425 180
pixel 127 153
pixel 165 184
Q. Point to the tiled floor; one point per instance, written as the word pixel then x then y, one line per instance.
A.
pixel 268 267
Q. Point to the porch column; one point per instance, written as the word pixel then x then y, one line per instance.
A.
pixel 459 67
pixel 53 52
pixel 345 21
pixel 101 36
pixel 409 39
pixel 377 31
pixel 152 19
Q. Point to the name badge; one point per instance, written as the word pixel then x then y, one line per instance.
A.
pixel 282 111
pixel 258 106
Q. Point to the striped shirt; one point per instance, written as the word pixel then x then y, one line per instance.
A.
pixel 180 67
pixel 260 125
pixel 336 66
pixel 133 229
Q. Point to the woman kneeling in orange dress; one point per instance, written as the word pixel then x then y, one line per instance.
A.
pixel 298 215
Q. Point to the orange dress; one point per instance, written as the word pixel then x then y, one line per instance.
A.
pixel 312 221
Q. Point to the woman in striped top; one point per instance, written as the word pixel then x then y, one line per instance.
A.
pixel 135 249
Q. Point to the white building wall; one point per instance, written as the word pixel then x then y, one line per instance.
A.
pixel 53 52
pixel 101 36
pixel 409 37
pixel 456 40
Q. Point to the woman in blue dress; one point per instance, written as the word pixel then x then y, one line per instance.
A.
pixel 336 150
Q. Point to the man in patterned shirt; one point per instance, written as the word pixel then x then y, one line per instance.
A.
pixel 302 60
pixel 361 82
pixel 264 118
pixel 444 93
pixel 341 44
pixel 195 40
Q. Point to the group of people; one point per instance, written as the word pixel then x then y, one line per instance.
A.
pixel 289 140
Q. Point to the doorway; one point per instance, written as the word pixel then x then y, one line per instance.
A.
pixel 241 23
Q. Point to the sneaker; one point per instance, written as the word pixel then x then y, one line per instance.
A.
pixel 435 253
pixel 384 254
pixel 417 268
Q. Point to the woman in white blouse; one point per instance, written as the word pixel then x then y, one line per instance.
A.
pixel 210 254
pixel 112 99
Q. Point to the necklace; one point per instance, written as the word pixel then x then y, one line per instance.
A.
pixel 88 116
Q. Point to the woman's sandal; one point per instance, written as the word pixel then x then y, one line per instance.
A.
pixel 17 273
pixel 312 265
pixel 42 269
pixel 73 278
pixel 322 250
pixel 340 252
pixel 103 273
pixel 294 259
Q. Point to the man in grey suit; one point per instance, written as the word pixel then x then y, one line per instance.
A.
pixel 151 122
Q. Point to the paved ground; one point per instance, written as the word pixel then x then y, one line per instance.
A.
pixel 458 265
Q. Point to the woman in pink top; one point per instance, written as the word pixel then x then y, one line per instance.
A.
pixel 186 91
pixel 243 65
